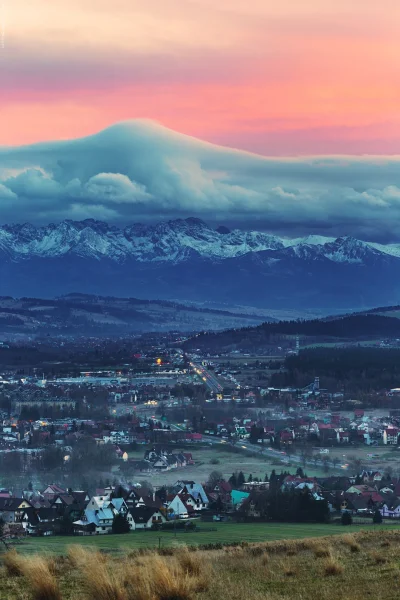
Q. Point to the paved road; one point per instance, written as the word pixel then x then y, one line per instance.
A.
pixel 209 379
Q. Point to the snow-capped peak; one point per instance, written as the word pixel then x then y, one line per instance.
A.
pixel 173 241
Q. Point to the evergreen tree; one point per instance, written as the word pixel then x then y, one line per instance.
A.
pixel 120 524
pixel 250 478
pixel 233 480
pixel 377 518
pixel 346 519
pixel 240 479
pixel 66 526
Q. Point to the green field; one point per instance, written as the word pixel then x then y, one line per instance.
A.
pixel 225 532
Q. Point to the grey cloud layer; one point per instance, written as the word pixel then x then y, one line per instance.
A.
pixel 140 171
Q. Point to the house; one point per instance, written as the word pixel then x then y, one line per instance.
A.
pixel 61 501
pixel 360 503
pixel 118 437
pixel 81 497
pixel 117 505
pixel 11 509
pixel 343 437
pixel 132 497
pixel 252 505
pixel 97 521
pixel 178 508
pixel 222 490
pixel 360 489
pixel 238 497
pixel 390 436
pixel 43 521
pixel 391 508
pixel 144 517
pixel 195 490
pixel 144 466
pixel 97 502
pixel 53 490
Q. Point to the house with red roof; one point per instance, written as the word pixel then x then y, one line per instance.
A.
pixel 390 436
pixel 343 437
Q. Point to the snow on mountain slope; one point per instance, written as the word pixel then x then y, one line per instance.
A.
pixel 311 240
pixel 162 242
pixel 174 242
pixel 391 249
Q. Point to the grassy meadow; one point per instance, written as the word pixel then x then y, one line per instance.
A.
pixel 223 533
pixel 354 565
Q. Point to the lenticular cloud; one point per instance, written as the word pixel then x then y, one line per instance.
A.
pixel 140 170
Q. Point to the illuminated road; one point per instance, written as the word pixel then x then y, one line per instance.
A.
pixel 210 380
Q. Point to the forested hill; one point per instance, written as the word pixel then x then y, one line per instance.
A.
pixel 350 327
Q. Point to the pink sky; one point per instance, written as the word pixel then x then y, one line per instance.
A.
pixel 279 78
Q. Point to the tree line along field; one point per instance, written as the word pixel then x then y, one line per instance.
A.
pixel 209 533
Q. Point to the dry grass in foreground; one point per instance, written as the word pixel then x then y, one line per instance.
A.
pixel 353 567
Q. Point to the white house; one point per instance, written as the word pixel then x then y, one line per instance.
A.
pixel 101 520
pixel 177 508
pixel 391 509
pixel 144 517
pixel 97 502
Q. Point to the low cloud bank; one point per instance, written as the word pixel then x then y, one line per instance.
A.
pixel 138 170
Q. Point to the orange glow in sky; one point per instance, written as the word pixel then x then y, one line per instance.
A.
pixel 279 78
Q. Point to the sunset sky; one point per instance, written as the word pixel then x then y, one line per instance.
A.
pixel 284 77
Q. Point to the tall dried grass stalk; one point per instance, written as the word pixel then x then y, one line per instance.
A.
pixel 42 583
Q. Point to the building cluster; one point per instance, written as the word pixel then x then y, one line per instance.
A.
pixel 361 495
pixel 56 510
pixel 59 511
pixel 296 427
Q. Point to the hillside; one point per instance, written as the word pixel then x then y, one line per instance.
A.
pixel 356 566
pixel 357 327
pixel 83 314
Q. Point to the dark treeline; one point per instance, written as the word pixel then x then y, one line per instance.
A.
pixel 347 327
pixel 297 506
pixel 351 369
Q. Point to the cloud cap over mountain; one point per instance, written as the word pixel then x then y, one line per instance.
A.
pixel 138 170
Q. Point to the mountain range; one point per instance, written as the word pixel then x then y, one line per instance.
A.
pixel 186 260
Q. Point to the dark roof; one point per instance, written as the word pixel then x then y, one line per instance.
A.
pixel 47 514
pixel 11 503
pixel 392 503
pixel 156 503
pixel 80 497
pixel 66 499
pixel 141 514
pixel 142 465
pixel 56 489
pixel 32 516
pixel 224 486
